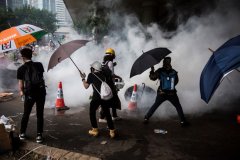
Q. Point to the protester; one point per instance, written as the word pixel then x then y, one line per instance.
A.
pixel 108 62
pixel 166 91
pixel 32 88
pixel 95 79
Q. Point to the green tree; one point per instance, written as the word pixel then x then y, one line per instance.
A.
pixel 41 18
pixel 30 15
pixel 6 18
pixel 99 22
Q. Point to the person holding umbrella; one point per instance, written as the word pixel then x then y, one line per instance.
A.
pixel 166 91
pixel 95 79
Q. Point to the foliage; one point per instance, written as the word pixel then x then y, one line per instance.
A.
pixel 98 24
pixel 6 18
pixel 30 15
pixel 41 18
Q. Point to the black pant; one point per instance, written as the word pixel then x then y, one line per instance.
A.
pixel 115 104
pixel 39 99
pixel 94 104
pixel 114 113
pixel 173 98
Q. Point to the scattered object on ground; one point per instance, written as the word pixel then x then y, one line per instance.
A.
pixel 5 139
pixel 6 96
pixel 8 136
pixel 30 152
pixel 104 142
pixel 161 131
pixel 53 137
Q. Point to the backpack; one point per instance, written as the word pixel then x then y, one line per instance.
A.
pixel 33 78
pixel 105 91
pixel 167 80
pixel 108 75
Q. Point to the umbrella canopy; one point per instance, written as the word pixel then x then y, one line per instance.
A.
pixel 235 41
pixel 18 36
pixel 65 51
pixel 222 62
pixel 148 59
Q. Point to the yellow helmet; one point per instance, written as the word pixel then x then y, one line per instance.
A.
pixel 110 51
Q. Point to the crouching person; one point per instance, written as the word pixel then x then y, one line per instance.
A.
pixel 95 78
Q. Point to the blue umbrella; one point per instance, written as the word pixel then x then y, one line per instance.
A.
pixel 225 59
pixel 235 41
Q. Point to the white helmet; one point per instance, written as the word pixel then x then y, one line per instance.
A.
pixel 97 66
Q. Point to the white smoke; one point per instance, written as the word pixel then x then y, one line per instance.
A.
pixel 190 53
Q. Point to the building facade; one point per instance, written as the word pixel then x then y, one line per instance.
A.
pixel 3 4
pixel 62 14
pixel 13 4
pixel 49 5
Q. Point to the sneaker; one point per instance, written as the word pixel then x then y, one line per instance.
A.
pixel 39 138
pixel 112 133
pixel 93 132
pixel 102 120
pixel 116 118
pixel 22 136
pixel 145 121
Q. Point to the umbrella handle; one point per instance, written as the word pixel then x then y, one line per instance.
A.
pixel 75 65
pixel 211 50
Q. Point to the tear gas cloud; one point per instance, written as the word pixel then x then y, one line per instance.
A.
pixel 190 53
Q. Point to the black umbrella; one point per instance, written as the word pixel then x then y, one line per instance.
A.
pixel 148 59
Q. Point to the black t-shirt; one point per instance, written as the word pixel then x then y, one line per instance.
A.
pixel 92 79
pixel 22 69
pixel 21 76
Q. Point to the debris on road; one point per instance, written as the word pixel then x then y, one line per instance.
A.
pixel 161 131
pixel 104 142
pixel 6 96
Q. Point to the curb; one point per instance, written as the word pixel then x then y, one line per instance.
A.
pixel 55 153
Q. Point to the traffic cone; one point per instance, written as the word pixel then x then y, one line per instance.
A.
pixel 238 118
pixel 133 101
pixel 60 105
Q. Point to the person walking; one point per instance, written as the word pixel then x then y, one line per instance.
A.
pixel 32 88
pixel 95 79
pixel 108 62
pixel 166 91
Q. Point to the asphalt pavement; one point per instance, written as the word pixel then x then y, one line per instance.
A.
pixel 211 136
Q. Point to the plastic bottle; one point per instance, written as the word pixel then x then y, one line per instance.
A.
pixel 161 131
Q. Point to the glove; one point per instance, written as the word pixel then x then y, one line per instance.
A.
pixel 152 69
pixel 83 75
